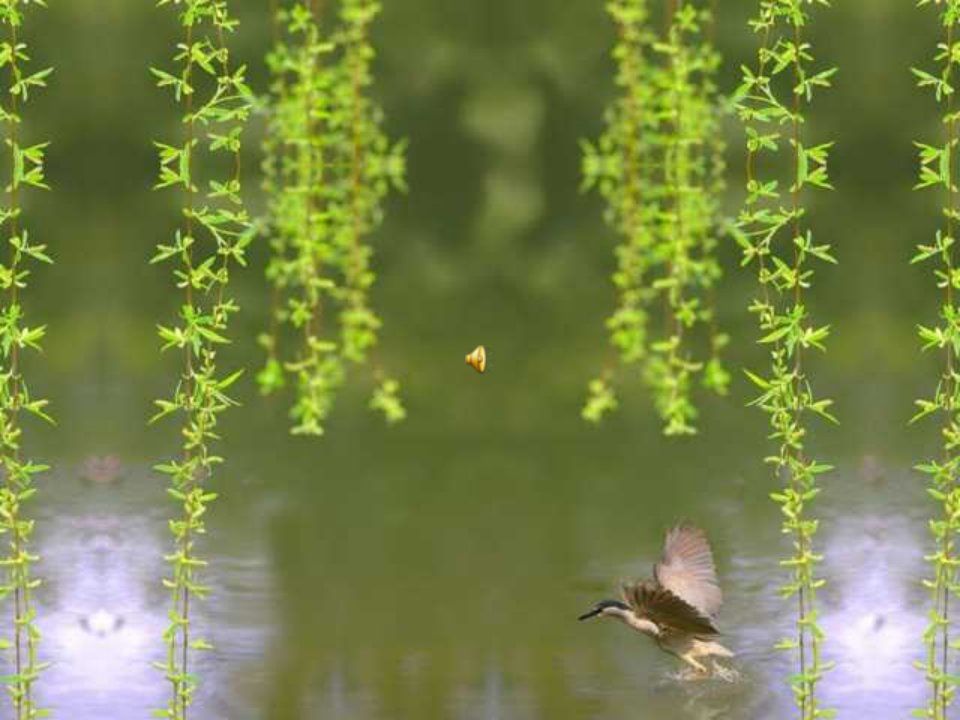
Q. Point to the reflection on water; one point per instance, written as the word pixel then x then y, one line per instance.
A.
pixel 101 559
pixel 390 626
pixel 491 698
pixel 873 610
pixel 877 611
pixel 338 702
pixel 103 610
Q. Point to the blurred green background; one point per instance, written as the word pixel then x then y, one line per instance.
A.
pixel 434 570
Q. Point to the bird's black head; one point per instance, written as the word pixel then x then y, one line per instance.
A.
pixel 602 608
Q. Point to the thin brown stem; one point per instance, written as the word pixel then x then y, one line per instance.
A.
pixel 312 182
pixel 277 165
pixel 180 689
pixel 20 592
pixel 357 165
pixel 807 699
pixel 669 11
pixel 274 10
pixel 945 579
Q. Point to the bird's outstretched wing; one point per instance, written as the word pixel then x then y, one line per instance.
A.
pixel 668 611
pixel 687 570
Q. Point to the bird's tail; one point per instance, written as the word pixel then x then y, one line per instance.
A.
pixel 721 651
pixel 714 649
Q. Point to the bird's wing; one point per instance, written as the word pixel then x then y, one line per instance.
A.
pixel 668 611
pixel 687 570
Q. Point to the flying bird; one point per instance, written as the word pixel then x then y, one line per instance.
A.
pixel 679 605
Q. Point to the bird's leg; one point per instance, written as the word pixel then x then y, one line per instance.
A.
pixel 699 670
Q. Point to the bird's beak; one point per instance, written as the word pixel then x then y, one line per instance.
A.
pixel 587 616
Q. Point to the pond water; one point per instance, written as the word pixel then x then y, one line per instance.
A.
pixel 451 590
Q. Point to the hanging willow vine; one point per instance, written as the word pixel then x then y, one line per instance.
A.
pixel 328 168
pixel 213 236
pixel 659 166
pixel 25 171
pixel 938 171
pixel 777 241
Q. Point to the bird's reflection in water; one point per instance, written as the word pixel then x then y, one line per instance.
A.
pixel 702 704
pixel 705 699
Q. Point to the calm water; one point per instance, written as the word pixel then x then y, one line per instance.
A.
pixel 435 571
pixel 450 590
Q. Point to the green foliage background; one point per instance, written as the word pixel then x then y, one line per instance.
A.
pixel 494 243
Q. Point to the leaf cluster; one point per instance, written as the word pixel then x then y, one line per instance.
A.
pixel 24 172
pixel 659 167
pixel 776 241
pixel 329 166
pixel 937 171
pixel 212 238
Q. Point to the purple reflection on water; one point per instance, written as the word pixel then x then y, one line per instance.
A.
pixel 104 609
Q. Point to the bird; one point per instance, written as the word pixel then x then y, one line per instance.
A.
pixel 678 606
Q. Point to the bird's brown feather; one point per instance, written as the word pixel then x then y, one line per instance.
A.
pixel 670 612
pixel 687 570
